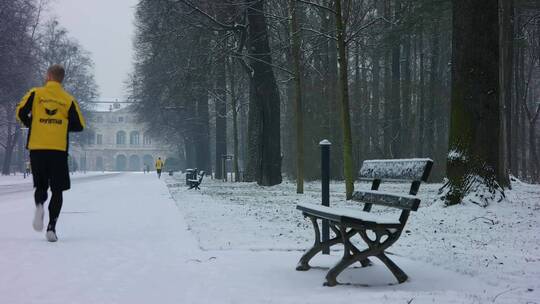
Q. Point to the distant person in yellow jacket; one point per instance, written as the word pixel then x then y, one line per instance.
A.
pixel 50 113
pixel 159 166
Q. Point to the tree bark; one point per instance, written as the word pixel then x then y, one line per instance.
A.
pixel 475 124
pixel 505 81
pixel 507 60
pixel 221 116
pixel 298 109
pixel 348 165
pixel 434 80
pixel 395 103
pixel 264 159
pixel 421 98
pixel 234 109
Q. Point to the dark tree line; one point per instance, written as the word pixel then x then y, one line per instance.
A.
pixel 267 80
pixel 28 46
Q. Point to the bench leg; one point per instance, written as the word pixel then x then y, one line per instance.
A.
pixel 396 271
pixel 351 255
pixel 318 246
pixel 379 247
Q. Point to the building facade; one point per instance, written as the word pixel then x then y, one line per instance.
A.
pixel 117 142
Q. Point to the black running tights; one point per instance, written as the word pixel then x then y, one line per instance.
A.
pixel 55 205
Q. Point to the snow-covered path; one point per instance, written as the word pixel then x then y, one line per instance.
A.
pixel 123 240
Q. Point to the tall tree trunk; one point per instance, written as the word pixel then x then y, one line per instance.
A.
pixel 298 109
pixel 407 122
pixel 387 108
pixel 264 134
pixel 475 109
pixel 344 96
pixel 202 138
pixel 517 122
pixel 434 80
pixel 395 103
pixel 365 110
pixel 234 109
pixel 13 133
pixel 507 60
pixel 375 103
pixel 221 116
pixel 505 81
pixel 421 98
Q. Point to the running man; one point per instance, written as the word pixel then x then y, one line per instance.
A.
pixel 50 113
pixel 159 166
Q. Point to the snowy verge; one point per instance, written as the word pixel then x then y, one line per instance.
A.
pixel 498 244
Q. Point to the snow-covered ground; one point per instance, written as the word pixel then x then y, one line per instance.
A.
pixel 124 240
pixel 498 245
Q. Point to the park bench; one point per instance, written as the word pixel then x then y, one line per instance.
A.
pixel 194 183
pixel 379 232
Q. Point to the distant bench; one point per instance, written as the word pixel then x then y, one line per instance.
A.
pixel 347 222
pixel 192 181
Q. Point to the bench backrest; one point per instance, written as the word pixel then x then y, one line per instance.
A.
pixel 415 170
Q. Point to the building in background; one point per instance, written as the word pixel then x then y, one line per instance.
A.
pixel 116 141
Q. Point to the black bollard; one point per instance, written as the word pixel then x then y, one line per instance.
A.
pixel 325 183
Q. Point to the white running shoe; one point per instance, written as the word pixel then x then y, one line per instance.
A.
pixel 51 236
pixel 38 218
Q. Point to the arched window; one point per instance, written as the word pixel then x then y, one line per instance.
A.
pixel 146 139
pixel 120 138
pixel 134 138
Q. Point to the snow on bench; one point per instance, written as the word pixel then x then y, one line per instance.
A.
pixel 348 222
pixel 413 169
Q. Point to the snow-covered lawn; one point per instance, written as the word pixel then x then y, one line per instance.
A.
pixel 498 245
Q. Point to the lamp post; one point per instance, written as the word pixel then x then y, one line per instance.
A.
pixel 325 187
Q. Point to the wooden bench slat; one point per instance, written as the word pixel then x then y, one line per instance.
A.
pixel 414 169
pixel 408 202
pixel 347 215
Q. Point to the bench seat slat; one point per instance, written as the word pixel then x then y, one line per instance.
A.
pixel 401 201
pixel 347 215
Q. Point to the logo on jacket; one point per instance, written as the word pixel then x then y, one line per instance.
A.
pixel 51 112
pixel 50 121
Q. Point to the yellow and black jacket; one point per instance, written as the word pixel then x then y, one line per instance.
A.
pixel 50 113
pixel 159 164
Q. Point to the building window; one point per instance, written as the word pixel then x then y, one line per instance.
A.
pixel 100 139
pixel 91 139
pixel 121 138
pixel 147 140
pixel 99 119
pixel 120 119
pixel 134 138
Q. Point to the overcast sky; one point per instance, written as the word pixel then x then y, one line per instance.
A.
pixel 105 29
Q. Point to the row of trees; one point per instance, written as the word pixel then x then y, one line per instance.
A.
pixel 267 80
pixel 29 45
